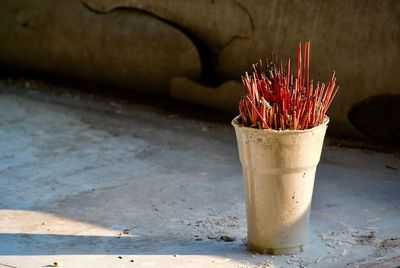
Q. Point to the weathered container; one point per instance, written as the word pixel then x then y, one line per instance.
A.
pixel 279 170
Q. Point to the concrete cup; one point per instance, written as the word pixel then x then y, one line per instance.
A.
pixel 279 171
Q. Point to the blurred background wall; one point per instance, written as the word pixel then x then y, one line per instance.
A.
pixel 196 51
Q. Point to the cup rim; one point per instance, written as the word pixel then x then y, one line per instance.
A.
pixel 235 124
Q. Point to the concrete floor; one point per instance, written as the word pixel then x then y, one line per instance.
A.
pixel 77 169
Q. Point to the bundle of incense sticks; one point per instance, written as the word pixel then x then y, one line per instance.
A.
pixel 275 99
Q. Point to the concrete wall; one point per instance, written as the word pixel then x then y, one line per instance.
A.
pixel 190 49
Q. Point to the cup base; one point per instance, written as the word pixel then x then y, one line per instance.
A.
pixel 275 251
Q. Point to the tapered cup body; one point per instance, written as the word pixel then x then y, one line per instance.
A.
pixel 279 171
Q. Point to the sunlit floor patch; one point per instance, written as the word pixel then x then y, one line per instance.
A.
pixel 37 222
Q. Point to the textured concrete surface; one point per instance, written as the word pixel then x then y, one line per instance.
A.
pixel 93 181
pixel 144 44
pixel 123 48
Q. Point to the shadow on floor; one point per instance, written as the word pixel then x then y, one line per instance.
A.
pixel 51 244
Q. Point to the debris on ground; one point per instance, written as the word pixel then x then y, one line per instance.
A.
pixel 366 239
pixel 318 260
pixel 227 238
